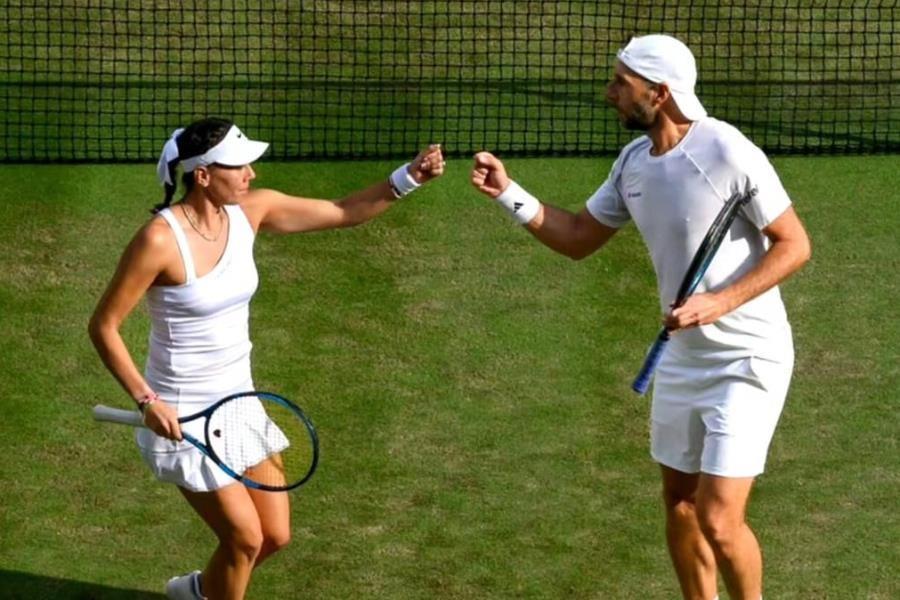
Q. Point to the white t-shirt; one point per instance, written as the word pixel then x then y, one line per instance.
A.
pixel 673 200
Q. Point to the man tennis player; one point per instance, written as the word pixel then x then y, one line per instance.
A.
pixel 721 385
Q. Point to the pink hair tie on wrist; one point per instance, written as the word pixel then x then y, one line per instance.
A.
pixel 146 400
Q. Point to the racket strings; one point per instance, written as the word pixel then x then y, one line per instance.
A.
pixel 261 440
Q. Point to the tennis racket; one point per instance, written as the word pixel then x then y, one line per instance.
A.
pixel 260 439
pixel 701 261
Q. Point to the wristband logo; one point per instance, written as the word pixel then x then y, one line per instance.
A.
pixel 517 206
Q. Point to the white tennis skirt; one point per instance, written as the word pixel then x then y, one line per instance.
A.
pixel 182 463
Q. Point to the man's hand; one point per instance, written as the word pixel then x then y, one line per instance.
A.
pixel 489 175
pixel 699 309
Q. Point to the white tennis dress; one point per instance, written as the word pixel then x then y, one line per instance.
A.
pixel 199 349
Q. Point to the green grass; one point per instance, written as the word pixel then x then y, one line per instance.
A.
pixel 479 438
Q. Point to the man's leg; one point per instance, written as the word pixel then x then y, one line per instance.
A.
pixel 691 554
pixel 721 504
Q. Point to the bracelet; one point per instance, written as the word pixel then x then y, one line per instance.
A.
pixel 402 182
pixel 146 400
pixel 522 206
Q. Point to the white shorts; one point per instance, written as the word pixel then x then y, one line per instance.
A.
pixel 717 417
pixel 182 463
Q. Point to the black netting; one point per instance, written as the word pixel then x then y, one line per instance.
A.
pixel 103 80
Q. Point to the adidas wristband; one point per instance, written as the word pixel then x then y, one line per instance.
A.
pixel 402 183
pixel 521 205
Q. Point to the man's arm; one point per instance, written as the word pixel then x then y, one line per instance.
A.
pixel 573 235
pixel 789 251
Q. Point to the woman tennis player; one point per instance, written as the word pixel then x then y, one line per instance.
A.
pixel 194 262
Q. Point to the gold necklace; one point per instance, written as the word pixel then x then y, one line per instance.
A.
pixel 197 229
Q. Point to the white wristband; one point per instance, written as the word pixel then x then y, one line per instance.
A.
pixel 402 183
pixel 521 205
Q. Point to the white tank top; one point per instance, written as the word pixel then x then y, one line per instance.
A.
pixel 199 331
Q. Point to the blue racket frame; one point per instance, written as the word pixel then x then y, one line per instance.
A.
pixel 697 269
pixel 208 450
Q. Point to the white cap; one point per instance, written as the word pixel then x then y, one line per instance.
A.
pixel 664 59
pixel 235 150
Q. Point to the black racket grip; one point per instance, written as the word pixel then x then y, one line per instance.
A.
pixel 642 381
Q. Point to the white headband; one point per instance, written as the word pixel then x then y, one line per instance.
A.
pixel 235 150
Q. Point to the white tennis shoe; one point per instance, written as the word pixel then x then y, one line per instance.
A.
pixel 185 587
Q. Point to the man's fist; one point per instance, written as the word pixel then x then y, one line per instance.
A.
pixel 489 175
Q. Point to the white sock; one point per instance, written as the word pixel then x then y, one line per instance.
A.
pixel 196 586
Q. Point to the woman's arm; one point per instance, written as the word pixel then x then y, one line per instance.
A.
pixel 142 262
pixel 269 210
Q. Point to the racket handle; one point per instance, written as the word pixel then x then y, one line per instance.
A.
pixel 642 381
pixel 117 415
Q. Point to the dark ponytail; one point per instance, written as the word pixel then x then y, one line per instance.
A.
pixel 169 187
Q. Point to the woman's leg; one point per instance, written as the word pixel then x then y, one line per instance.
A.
pixel 232 515
pixel 274 513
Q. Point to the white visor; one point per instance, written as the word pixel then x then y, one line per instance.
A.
pixel 235 150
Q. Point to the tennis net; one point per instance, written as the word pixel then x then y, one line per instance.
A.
pixel 94 80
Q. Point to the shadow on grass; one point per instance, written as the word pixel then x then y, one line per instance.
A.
pixel 15 585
